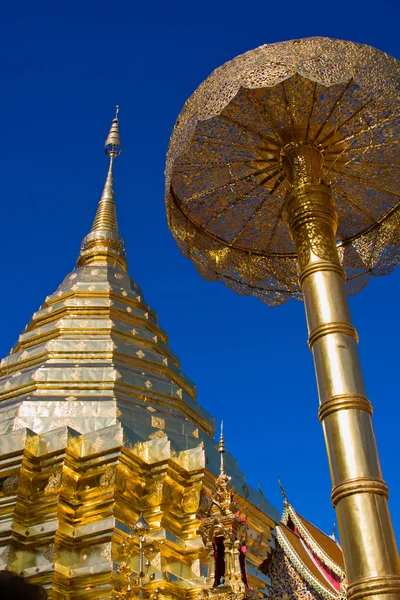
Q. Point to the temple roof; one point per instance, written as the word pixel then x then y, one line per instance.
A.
pixel 315 555
pixel 328 545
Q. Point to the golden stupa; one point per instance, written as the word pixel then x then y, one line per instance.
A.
pixel 107 459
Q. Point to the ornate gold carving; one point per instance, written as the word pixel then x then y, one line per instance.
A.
pixel 120 483
pixel 16 424
pixel 119 436
pixel 38 375
pixel 155 493
pixel 53 483
pixel 168 494
pixel 157 422
pixel 10 485
pixel 107 552
pixel 156 562
pixel 157 434
pixel 191 500
pixel 97 444
pixel 195 568
pixel 64 436
pixel 76 375
pixel 8 556
pixel 107 479
pixel 68 485
pixel 49 555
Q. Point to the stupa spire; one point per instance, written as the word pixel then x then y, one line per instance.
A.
pixel 103 245
pixel 221 449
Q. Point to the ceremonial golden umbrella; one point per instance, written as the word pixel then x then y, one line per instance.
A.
pixel 282 181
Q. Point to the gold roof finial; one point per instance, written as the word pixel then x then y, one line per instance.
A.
pixel 103 245
pixel 221 448
pixel 283 492
pixel 113 147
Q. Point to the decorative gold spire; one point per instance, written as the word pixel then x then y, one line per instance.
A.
pixel 223 496
pixel 221 449
pixel 103 245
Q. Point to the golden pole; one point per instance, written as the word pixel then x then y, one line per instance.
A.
pixel 267 129
pixel 359 493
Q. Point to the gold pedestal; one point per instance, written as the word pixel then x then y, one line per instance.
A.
pixel 359 493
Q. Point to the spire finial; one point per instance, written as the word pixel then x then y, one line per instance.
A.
pixel 113 147
pixel 221 449
pixel 283 492
pixel 103 245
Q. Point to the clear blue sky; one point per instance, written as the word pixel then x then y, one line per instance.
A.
pixel 64 66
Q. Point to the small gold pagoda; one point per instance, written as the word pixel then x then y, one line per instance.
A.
pixel 224 534
pixel 99 424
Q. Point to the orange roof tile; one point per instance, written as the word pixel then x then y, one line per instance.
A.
pixel 330 547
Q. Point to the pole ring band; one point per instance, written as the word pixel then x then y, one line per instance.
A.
pixel 359 485
pixel 344 402
pixel 322 265
pixel 371 586
pixel 342 327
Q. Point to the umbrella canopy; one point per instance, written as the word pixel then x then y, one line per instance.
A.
pixel 225 180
